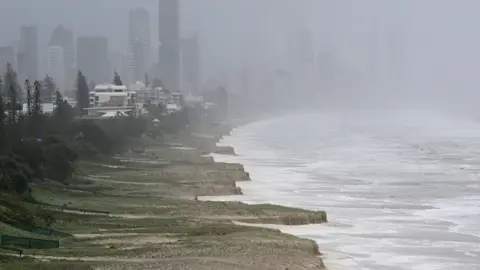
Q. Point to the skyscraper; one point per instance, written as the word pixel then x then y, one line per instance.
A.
pixel 139 45
pixel 63 38
pixel 190 64
pixel 7 55
pixel 92 59
pixel 169 43
pixel 56 66
pixel 300 49
pixel 28 53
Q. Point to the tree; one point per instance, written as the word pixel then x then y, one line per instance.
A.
pixel 10 79
pixel 37 111
pixel 157 83
pixel 60 158
pixel 15 174
pixel 63 113
pixel 12 106
pixel 37 102
pixel 155 110
pixel 31 151
pixel 49 88
pixel 3 136
pixel 93 134
pixel 91 84
pixel 147 81
pixel 82 93
pixel 28 88
pixel 30 121
pixel 116 79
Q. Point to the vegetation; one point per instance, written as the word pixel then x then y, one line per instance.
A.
pixel 117 80
pixel 157 83
pixel 35 146
pixel 39 155
pixel 82 93
pixel 49 88
pixel 147 81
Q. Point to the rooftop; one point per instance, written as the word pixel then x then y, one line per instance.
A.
pixel 110 87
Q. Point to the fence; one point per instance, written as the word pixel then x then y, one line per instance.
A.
pixel 30 243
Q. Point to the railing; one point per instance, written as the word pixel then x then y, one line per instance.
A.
pixel 7 241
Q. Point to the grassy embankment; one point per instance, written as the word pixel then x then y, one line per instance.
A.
pixel 142 215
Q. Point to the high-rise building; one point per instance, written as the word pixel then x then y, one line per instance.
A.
pixel 62 37
pixel 56 66
pixel 92 59
pixel 300 49
pixel 28 53
pixel 7 55
pixel 139 45
pixel 169 43
pixel 136 67
pixel 190 64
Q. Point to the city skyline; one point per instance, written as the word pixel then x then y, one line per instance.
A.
pixel 196 17
pixel 66 52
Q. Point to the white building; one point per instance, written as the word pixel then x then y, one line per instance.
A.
pixel 109 95
pixel 177 98
pixel 47 108
pixel 56 66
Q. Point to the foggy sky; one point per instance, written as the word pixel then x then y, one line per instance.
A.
pixel 425 50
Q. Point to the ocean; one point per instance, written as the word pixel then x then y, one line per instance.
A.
pixel 401 188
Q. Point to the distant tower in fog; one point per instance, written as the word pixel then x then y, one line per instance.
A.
pixel 190 64
pixel 169 43
pixel 28 53
pixel 63 39
pixel 374 54
pixel 139 45
pixel 245 82
pixel 56 66
pixel 92 59
pixel 300 49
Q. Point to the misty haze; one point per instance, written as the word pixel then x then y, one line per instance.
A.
pixel 240 134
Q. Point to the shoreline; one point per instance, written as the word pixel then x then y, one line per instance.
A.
pixel 238 197
pixel 143 214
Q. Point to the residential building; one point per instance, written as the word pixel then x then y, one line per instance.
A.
pixel 28 53
pixel 169 43
pixel 110 95
pixel 92 59
pixel 56 66
pixel 145 94
pixel 109 101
